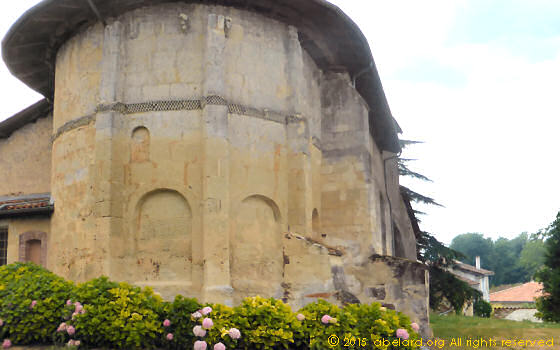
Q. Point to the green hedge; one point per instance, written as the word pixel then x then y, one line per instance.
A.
pixel 482 308
pixel 38 307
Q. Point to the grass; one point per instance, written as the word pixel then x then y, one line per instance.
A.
pixel 494 331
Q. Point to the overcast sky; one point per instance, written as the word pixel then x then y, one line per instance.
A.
pixel 477 81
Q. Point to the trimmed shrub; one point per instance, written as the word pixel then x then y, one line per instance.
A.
pixel 316 328
pixel 39 307
pixel 482 308
pixel 265 323
pixel 355 325
pixel 31 302
pixel 179 323
pixel 116 315
pixel 223 320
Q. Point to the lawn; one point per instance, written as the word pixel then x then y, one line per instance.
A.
pixel 495 332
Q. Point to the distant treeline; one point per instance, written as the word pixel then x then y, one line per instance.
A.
pixel 512 260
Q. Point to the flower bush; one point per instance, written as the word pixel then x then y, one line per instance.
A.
pixel 117 315
pixel 38 307
pixel 264 324
pixel 31 302
pixel 366 323
pixel 178 322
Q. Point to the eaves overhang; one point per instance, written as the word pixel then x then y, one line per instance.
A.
pixel 37 110
pixel 332 39
pixel 26 205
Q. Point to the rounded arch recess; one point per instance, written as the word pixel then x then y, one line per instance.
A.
pixel 256 260
pixel 163 237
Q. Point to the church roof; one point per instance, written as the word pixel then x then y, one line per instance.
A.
pixel 37 110
pixel 333 40
pixel 26 205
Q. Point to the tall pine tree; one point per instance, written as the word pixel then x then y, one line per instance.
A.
pixel 549 304
pixel 443 284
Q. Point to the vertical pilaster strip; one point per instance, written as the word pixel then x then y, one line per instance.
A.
pixel 347 177
pixel 215 182
pixel 107 210
pixel 300 198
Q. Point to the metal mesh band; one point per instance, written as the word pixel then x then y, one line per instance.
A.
pixel 191 105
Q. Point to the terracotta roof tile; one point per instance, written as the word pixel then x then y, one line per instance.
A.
pixel 14 204
pixel 525 293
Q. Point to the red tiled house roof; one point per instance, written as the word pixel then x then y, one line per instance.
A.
pixel 525 293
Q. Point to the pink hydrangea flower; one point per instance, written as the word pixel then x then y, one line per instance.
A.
pixel 200 345
pixel 402 333
pixel 61 327
pixel 68 302
pixel 234 333
pixel 169 336
pixel 199 331
pixel 79 307
pixel 300 317
pixel 415 326
pixel 166 323
pixel 71 342
pixel 33 303
pixel 77 342
pixel 219 346
pixel 326 319
pixel 83 311
pixel 207 323
pixel 6 343
pixel 70 330
pixel 196 315
pixel 205 311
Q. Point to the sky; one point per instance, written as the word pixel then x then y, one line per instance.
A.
pixel 476 81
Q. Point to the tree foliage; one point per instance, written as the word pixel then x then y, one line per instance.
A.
pixel 443 284
pixel 419 198
pixel 472 245
pixel 549 304
pixel 532 256
pixel 512 260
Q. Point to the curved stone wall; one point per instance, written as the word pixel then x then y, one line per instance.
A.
pixel 200 150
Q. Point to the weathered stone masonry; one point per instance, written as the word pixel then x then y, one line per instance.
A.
pixel 220 152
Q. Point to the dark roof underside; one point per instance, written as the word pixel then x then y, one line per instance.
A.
pixel 331 38
pixel 39 204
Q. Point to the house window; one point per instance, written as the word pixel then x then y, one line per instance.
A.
pixel 3 246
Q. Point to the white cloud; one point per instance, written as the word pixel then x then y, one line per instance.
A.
pixel 491 142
